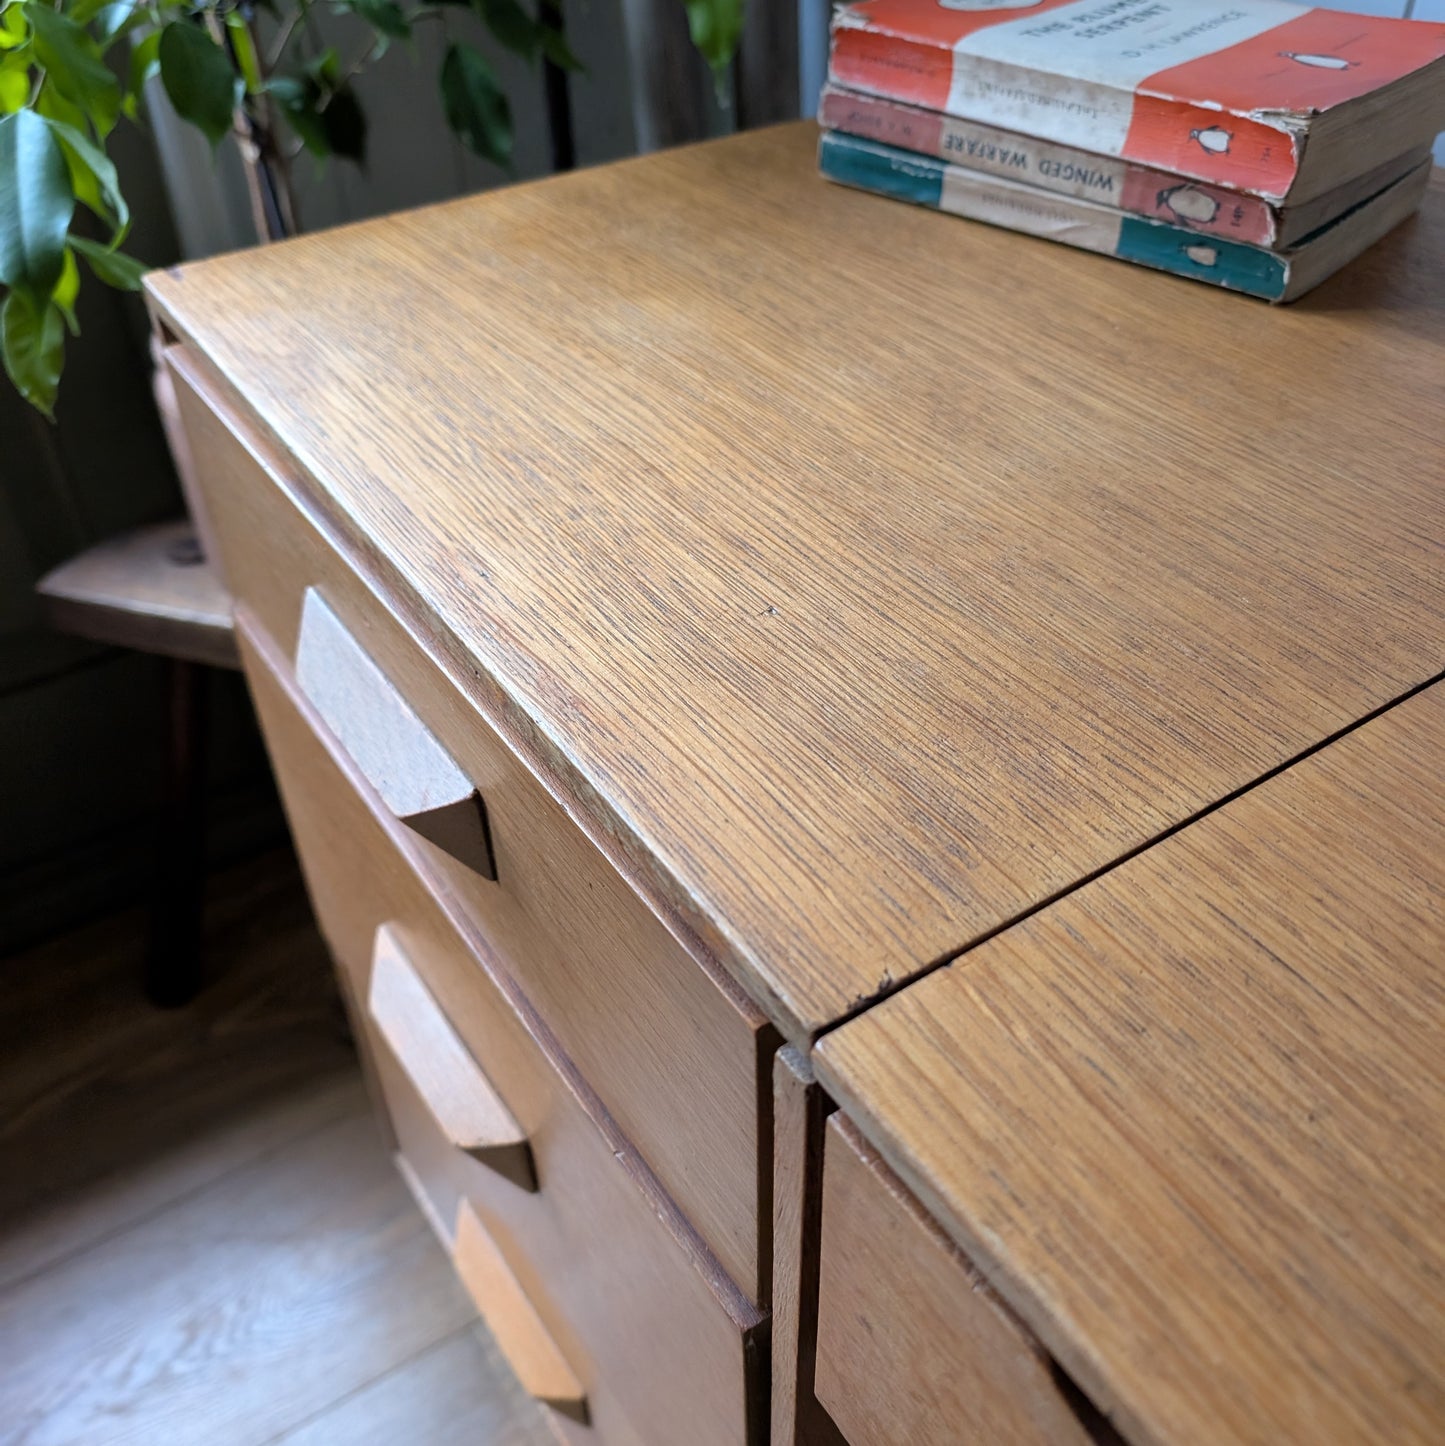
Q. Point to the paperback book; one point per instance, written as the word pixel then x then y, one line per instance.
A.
pixel 1208 209
pixel 1261 96
pixel 1272 275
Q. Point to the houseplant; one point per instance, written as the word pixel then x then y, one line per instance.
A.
pixel 71 71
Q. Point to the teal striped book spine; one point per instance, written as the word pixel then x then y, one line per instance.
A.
pixel 924 181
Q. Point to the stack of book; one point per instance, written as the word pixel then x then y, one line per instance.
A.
pixel 1250 143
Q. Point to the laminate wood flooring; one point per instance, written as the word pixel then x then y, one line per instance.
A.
pixel 202 1238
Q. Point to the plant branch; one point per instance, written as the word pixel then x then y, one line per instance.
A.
pixel 272 207
pixel 352 70
pixel 367 54
pixel 283 39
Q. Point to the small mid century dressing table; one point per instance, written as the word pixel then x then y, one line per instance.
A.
pixel 874 785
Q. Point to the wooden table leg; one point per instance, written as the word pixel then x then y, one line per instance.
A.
pixel 173 964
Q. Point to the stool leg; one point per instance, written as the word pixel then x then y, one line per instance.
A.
pixel 173 964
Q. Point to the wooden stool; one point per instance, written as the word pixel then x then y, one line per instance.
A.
pixel 153 590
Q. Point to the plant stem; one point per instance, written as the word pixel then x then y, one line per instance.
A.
pixel 350 73
pixel 268 181
pixel 557 90
pixel 283 39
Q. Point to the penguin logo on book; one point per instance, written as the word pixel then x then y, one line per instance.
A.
pixel 1215 140
pixel 1320 62
pixel 988 4
pixel 1188 203
pixel 1202 255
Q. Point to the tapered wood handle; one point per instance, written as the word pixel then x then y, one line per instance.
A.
pixel 442 1070
pixel 416 778
pixel 513 1320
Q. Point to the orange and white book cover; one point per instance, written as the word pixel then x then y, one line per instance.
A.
pixel 1223 91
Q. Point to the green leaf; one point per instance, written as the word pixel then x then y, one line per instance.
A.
pixel 199 79
pixel 511 25
pixel 14 88
pixel 345 125
pixel 112 267
pixel 145 61
pixel 32 339
pixel 84 11
pixel 73 65
pixel 325 69
pixel 556 49
pixel 326 122
pixel 474 104
pixel 113 20
pixel 66 290
pixel 716 26
pixel 384 16
pixel 93 177
pixel 55 106
pixel 36 204
pixel 13 29
pixel 298 99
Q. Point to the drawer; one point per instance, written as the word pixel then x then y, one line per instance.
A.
pixel 678 1055
pixel 913 1345
pixel 663 1345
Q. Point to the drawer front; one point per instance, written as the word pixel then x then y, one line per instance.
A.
pixel 680 1059
pixel 661 1342
pixel 913 1346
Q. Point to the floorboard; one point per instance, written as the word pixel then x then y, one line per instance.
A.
pixel 452 1385
pixel 202 1239
pixel 108 1105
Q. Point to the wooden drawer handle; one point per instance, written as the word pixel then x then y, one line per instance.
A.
pixel 461 1099
pixel 401 758
pixel 513 1320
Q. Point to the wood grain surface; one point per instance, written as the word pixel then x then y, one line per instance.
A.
pixel 1190 1119
pixel 679 1054
pixel 146 589
pixel 417 779
pixel 194 1326
pixel 913 1346
pixel 451 1392
pixel 462 1100
pixel 866 576
pixel 665 1344
pixel 513 1320
pixel 201 1238
pixel 111 1110
pixel 800 1108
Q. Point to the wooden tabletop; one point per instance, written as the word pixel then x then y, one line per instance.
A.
pixel 1191 1118
pixel 870 575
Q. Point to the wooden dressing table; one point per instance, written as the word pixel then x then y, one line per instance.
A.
pixel 688 605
